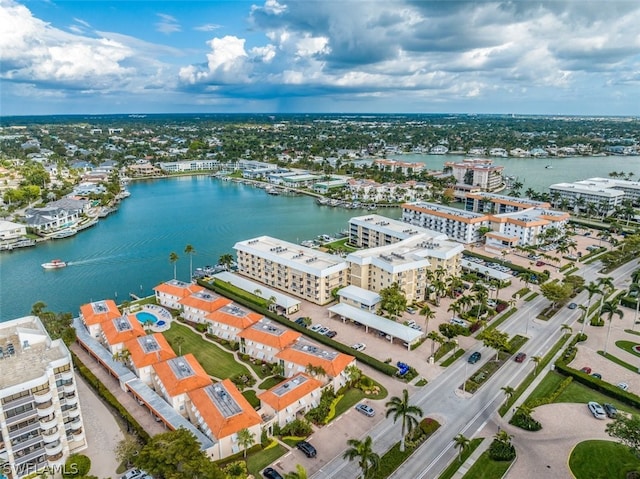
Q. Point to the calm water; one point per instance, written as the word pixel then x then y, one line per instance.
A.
pixel 128 252
pixel 532 172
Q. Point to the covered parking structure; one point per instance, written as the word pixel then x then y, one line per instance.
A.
pixel 486 271
pixel 370 320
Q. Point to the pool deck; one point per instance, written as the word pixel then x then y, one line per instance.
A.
pixel 162 314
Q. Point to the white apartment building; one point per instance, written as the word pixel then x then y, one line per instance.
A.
pixel 188 165
pixel 523 228
pixel 399 166
pixel 302 272
pixel 631 188
pixel 582 193
pixel 40 418
pixel 476 172
pixel 493 203
pixel 459 225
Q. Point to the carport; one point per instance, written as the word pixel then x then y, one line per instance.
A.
pixel 370 320
pixel 484 270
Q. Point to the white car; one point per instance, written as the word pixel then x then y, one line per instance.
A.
pixel 359 346
pixel 458 321
pixel 597 410
pixel 133 474
pixel 316 327
pixel 623 386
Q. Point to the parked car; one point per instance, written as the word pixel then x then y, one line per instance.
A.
pixel 586 370
pixel 458 321
pixel 301 322
pixel 316 327
pixel 596 375
pixel 411 310
pixel 307 449
pixel 520 357
pixel 596 410
pixel 331 334
pixel 572 306
pixel 610 410
pixel 623 386
pixel 359 346
pixel 132 474
pixel 271 473
pixel 366 410
pixel 323 330
pixel 539 263
pixel 475 357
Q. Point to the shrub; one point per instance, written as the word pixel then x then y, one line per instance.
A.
pixel 76 465
pixel 201 327
pixel 502 451
pixel 525 421
pixel 429 425
pixel 243 381
pixel 297 427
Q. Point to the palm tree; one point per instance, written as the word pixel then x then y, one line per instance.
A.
pixel 592 289
pixel 226 260
pixel 610 308
pixel 503 437
pixel 400 408
pixel 462 444
pixel 300 473
pixel 565 328
pixel 428 314
pixel 38 307
pixel 173 259
pixel 635 287
pixel 536 360
pixel 179 341
pixel 368 460
pixel 435 337
pixel 246 439
pixel 508 391
pixel 190 250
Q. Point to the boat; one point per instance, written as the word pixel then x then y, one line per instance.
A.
pixel 548 167
pixel 54 264
pixel 65 233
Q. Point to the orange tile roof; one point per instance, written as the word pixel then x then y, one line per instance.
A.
pixel 332 367
pixel 124 328
pixel 178 288
pixel 257 334
pixel 235 316
pixel 93 314
pixel 291 393
pixel 142 356
pixel 176 385
pixel 205 305
pixel 224 423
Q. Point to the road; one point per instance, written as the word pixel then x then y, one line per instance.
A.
pixel 459 413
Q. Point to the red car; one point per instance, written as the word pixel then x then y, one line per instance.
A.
pixel 520 357
pixel 539 263
pixel 586 370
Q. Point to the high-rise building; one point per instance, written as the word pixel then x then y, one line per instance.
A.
pixel 40 419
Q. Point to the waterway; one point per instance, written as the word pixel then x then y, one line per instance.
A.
pixel 533 172
pixel 128 252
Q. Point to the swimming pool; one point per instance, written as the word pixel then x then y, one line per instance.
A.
pixel 146 317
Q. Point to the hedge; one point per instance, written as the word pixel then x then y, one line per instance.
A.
pixel 111 400
pixel 385 368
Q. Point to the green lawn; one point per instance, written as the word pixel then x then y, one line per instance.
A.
pixel 215 361
pixel 257 461
pixel 270 382
pixel 580 393
pixel 452 468
pixel 250 395
pixel 548 385
pixel 353 396
pixel 602 460
pixel 628 346
pixel 618 361
pixel 487 468
pixel 449 361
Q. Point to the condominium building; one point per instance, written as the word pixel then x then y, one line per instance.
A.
pixel 198 305
pixel 171 292
pixel 229 320
pixel 302 272
pixel 174 378
pixel 145 351
pixel 492 203
pixel 283 402
pixel 220 411
pixel 117 331
pixel 265 339
pixel 580 194
pixel 399 166
pixel 459 225
pixel 96 313
pixel 40 418
pixel 523 228
pixel 476 172
pixel 631 188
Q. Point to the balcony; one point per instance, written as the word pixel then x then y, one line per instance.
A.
pixel 49 437
pixel 45 409
pixel 78 435
pixel 66 375
pixel 43 396
pixel 21 417
pixel 71 400
pixel 75 412
pixel 17 402
pixel 48 423
pixel 53 448
pixel 56 460
pixel 75 424
pixel 69 388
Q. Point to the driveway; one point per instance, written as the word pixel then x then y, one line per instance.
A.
pixel 546 453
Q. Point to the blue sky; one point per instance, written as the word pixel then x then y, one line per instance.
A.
pixel 576 57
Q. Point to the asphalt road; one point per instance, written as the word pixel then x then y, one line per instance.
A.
pixel 459 413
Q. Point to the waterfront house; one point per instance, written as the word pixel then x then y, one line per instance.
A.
pixel 264 339
pixel 227 321
pixel 171 292
pixel 96 313
pixel 198 305
pixel 174 378
pixel 221 412
pixel 145 351
pixel 283 402
pixel 11 231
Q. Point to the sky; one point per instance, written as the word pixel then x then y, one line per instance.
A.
pixel 559 57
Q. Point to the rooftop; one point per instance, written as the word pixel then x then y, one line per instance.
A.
pixel 448 210
pixel 149 349
pixel 270 334
pixel 289 391
pixel 182 374
pixel 395 228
